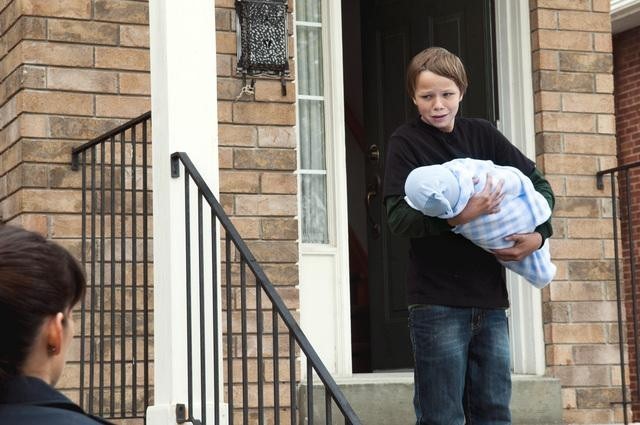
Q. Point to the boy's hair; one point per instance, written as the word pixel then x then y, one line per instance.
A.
pixel 440 61
pixel 38 278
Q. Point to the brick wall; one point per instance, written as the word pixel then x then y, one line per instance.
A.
pixel 72 69
pixel 626 47
pixel 258 184
pixel 575 127
pixel 69 71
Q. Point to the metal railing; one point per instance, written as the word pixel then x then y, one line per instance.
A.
pixel 244 277
pixel 116 336
pixel 116 323
pixel 625 225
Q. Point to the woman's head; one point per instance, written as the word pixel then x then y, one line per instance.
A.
pixel 40 282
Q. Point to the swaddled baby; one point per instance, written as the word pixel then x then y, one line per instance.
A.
pixel 444 190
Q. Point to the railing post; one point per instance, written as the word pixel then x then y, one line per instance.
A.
pixel 184 108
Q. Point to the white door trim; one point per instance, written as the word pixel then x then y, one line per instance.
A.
pixel 324 268
pixel 515 100
pixel 335 100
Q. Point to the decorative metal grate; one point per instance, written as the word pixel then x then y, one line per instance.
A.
pixel 263 37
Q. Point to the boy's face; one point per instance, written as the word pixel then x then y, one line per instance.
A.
pixel 437 99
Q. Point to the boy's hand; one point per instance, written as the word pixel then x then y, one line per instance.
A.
pixel 525 244
pixel 486 201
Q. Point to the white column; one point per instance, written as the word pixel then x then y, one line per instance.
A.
pixel 184 108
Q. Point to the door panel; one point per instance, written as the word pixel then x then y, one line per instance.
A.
pixel 393 31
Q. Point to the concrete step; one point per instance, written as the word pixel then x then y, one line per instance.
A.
pixel 386 399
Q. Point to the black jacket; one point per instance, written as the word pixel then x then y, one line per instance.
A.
pixel 30 401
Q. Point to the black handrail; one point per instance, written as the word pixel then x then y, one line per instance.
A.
pixel 107 204
pixel 628 239
pixel 75 152
pixel 280 312
pixel 110 192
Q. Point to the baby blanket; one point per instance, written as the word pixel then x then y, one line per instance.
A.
pixel 444 191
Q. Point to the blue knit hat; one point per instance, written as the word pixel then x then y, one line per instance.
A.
pixel 432 190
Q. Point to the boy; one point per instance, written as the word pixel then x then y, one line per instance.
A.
pixel 444 190
pixel 457 319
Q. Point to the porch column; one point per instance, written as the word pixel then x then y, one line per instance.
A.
pixel 184 106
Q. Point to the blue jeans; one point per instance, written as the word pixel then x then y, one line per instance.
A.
pixel 462 367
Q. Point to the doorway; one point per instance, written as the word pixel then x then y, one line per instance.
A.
pixel 378 42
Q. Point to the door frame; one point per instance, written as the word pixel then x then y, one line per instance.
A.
pixel 323 266
pixel 515 102
pixel 325 310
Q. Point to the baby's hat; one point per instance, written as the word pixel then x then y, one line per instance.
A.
pixel 432 190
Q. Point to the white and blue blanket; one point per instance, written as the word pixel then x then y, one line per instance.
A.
pixel 521 211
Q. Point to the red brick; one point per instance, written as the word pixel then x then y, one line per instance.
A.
pixel 583 102
pixel 57 54
pixel 586 62
pixel 122 106
pixel 573 333
pixel 88 32
pixel 79 128
pixel 602 6
pixel 225 112
pixel 279 183
pixel 545 59
pixel 50 151
pixel 276 137
pixel 82 80
pixel 122 58
pixel 47 200
pixel 584 21
pixel 543 18
pixel 226 42
pixel 562 40
pixel 564 4
pixel 602 42
pixel 271 91
pixel 237 135
pixel 25 28
pixel 266 205
pixel 55 103
pixel 134 35
pixel 135 83
pixel 239 182
pixel 134 12
pixel 568 122
pixel 264 113
pixel 58 8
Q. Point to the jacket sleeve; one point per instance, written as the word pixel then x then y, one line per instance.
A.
pixel 542 186
pixel 410 223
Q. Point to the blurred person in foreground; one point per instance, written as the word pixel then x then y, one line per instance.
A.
pixel 40 283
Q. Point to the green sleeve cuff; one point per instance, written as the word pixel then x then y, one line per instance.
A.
pixel 407 222
pixel 543 187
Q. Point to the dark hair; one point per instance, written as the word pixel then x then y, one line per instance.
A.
pixel 440 61
pixel 38 278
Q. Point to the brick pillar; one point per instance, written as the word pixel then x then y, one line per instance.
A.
pixel 258 184
pixel 70 70
pixel 575 126
pixel 627 66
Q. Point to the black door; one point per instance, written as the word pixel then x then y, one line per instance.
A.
pixel 393 31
